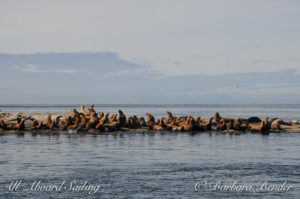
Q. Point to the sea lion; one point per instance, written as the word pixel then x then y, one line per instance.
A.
pixel 217 118
pixel 293 122
pixel 221 125
pixel 151 120
pixel 257 127
pixel 2 124
pixel 121 118
pixel 75 125
pixel 113 126
pixel 160 126
pixel 260 128
pixel 5 126
pixel 132 122
pixel 113 118
pixel 172 126
pixel 142 122
pixel 92 106
pixel 136 121
pixel 66 124
pixel 83 120
pixel 267 125
pixel 52 123
pixel 48 121
pixel 20 125
pixel 102 121
pixel 92 121
pixel 34 125
pixel 170 117
pixel 74 113
pixel 190 126
pixel 253 120
pixel 237 125
pixel 229 124
pixel 91 110
pixel 101 114
pixel 275 125
pixel 83 111
pixel 206 125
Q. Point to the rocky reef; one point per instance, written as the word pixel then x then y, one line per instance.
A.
pixel 89 121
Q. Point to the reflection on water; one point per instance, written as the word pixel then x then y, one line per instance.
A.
pixel 150 165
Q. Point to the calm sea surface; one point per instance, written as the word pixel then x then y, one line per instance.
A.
pixel 152 165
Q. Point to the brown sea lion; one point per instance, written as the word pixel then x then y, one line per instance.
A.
pixel 34 124
pixel 275 125
pixel 92 107
pixel 174 127
pixel 92 121
pixel 170 117
pixel 83 120
pixel 112 118
pixel 20 125
pixel 237 125
pixel 84 111
pixel 267 124
pixel 161 126
pixel 221 125
pixel 75 125
pixel 101 114
pixel 52 123
pixel 142 122
pixel 100 126
pixel 113 126
pixel 2 124
pixel 260 128
pixel 257 127
pixel 229 124
pixel 151 120
pixel 206 125
pixel 66 123
pixel 178 121
pixel 190 126
pixel 102 121
pixel 74 113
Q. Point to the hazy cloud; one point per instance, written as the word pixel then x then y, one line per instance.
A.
pixel 107 78
pixel 206 37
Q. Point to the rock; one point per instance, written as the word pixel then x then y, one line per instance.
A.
pixel 290 129
pixel 294 122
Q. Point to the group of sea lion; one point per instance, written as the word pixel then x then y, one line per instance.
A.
pixel 91 120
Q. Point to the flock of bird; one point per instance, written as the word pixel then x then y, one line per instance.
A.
pixel 89 119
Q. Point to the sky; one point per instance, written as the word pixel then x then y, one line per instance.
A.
pixel 158 51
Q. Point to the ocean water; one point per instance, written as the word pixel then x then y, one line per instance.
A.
pixel 153 165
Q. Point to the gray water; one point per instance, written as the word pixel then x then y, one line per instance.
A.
pixel 153 165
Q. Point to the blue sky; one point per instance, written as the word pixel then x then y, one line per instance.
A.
pixel 136 51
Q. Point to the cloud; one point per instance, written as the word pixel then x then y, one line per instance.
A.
pixel 205 37
pixel 103 64
pixel 31 68
pixel 107 78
